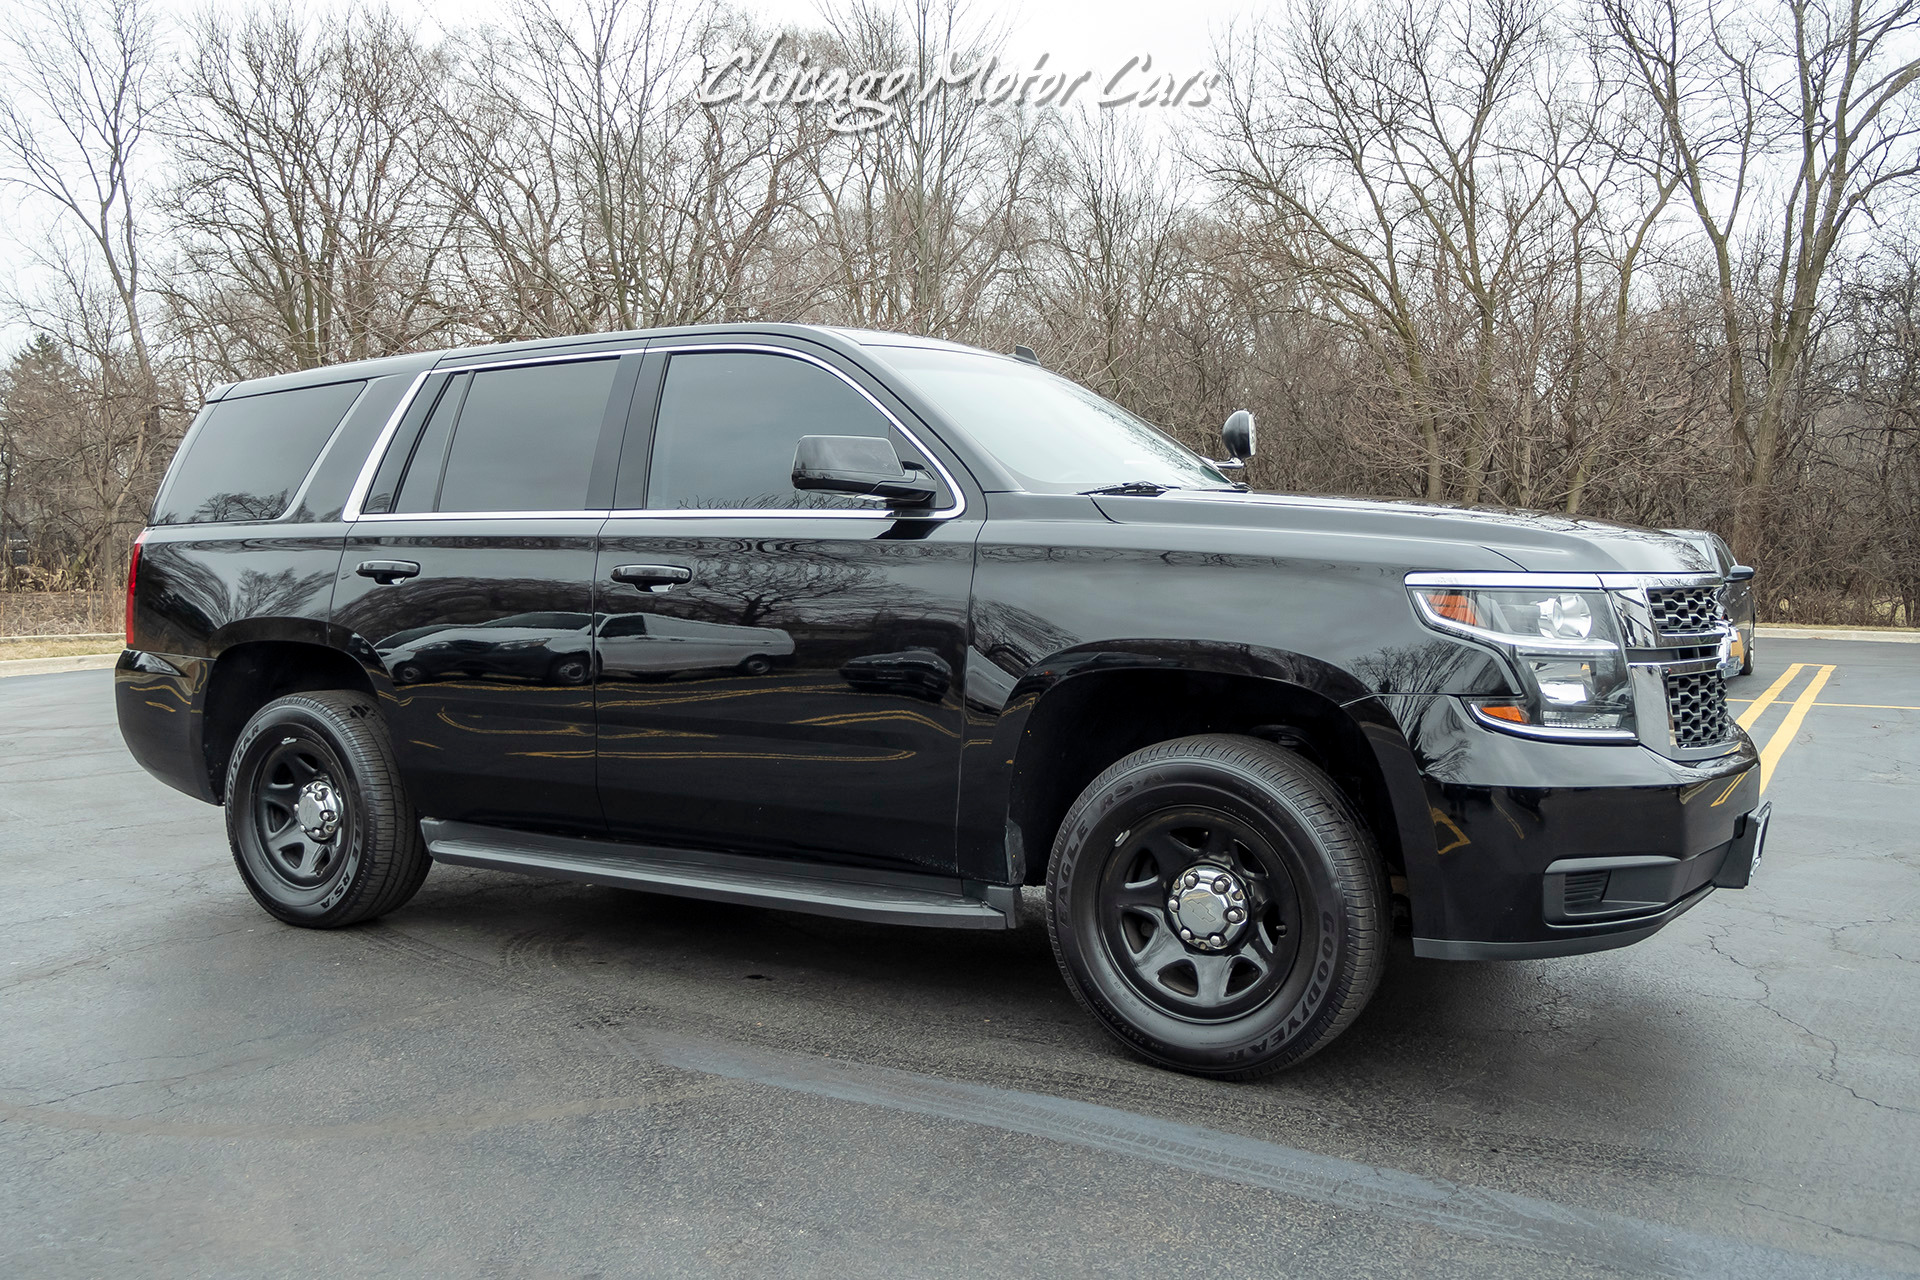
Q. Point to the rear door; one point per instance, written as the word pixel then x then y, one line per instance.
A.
pixel 469 572
pixel 777 669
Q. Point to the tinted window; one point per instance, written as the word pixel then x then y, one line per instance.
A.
pixel 525 439
pixel 624 625
pixel 249 456
pixel 420 491
pixel 728 424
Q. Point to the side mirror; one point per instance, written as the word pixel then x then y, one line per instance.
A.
pixel 1740 573
pixel 1237 434
pixel 864 466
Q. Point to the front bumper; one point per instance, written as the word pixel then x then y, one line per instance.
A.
pixel 1552 849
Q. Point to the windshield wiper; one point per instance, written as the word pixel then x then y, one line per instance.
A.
pixel 1129 489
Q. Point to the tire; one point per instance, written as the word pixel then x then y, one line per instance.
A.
pixel 1746 656
pixel 362 856
pixel 757 665
pixel 570 669
pixel 1253 824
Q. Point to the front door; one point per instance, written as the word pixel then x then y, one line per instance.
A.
pixel 471 576
pixel 779 671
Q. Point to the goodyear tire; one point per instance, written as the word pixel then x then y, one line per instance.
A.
pixel 1217 904
pixel 321 827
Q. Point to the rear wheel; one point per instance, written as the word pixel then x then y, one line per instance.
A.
pixel 321 828
pixel 1216 903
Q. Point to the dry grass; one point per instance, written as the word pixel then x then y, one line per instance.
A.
pixel 55 648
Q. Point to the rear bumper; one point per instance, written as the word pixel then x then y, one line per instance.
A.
pixel 1552 849
pixel 159 701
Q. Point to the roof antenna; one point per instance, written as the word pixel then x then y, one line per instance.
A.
pixel 1023 352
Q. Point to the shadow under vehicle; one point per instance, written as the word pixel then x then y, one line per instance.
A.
pixel 950 625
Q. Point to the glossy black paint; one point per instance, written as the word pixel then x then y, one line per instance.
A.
pixel 728 717
pixel 489 651
pixel 902 690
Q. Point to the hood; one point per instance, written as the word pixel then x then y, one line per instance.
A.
pixel 1451 537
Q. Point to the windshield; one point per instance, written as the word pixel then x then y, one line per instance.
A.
pixel 1053 435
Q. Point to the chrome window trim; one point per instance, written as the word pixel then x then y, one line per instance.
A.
pixel 369 469
pixel 339 429
pixel 364 481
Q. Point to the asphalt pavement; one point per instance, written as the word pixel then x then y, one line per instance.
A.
pixel 517 1078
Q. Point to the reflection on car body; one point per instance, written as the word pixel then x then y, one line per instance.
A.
pixel 544 647
pixel 638 645
pixel 912 673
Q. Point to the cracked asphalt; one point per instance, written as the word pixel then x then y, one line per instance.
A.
pixel 516 1078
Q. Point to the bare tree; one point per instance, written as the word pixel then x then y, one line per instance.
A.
pixel 1821 90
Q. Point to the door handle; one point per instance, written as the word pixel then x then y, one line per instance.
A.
pixel 388 572
pixel 653 576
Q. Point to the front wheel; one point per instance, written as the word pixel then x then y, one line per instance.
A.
pixel 1217 904
pixel 321 827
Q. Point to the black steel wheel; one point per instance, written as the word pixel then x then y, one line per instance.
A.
pixel 1199 912
pixel 320 825
pixel 1217 904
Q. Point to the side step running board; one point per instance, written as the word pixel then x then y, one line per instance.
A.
pixel 887 897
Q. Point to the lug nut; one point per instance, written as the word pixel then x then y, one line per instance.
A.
pixel 1235 916
pixel 1192 880
pixel 1220 884
pixel 1187 935
pixel 1173 904
pixel 1217 940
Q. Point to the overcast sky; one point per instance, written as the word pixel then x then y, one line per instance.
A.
pixel 1179 38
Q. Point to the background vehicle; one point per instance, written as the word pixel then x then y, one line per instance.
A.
pixel 643 645
pixel 973 628
pixel 1736 593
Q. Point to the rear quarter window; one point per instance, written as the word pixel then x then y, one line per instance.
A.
pixel 247 457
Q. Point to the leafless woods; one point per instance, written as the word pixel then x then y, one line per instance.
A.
pixel 1654 260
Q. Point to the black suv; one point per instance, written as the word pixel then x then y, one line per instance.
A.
pixel 885 627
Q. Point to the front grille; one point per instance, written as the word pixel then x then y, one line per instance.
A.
pixel 1685 610
pixel 1585 890
pixel 1698 705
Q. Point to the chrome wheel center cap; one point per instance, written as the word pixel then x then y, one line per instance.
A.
pixel 318 810
pixel 1208 907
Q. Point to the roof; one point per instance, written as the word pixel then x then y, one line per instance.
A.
pixel 418 361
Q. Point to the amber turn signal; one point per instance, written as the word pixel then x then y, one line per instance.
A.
pixel 1454 607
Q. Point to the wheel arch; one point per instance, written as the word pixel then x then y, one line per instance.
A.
pixel 257 665
pixel 1073 715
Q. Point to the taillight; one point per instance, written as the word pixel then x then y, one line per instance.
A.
pixel 133 573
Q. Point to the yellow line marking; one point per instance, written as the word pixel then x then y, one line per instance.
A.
pixel 1738 779
pixel 1783 736
pixel 1858 706
pixel 1765 700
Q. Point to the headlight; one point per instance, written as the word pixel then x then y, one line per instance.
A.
pixel 1564 645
